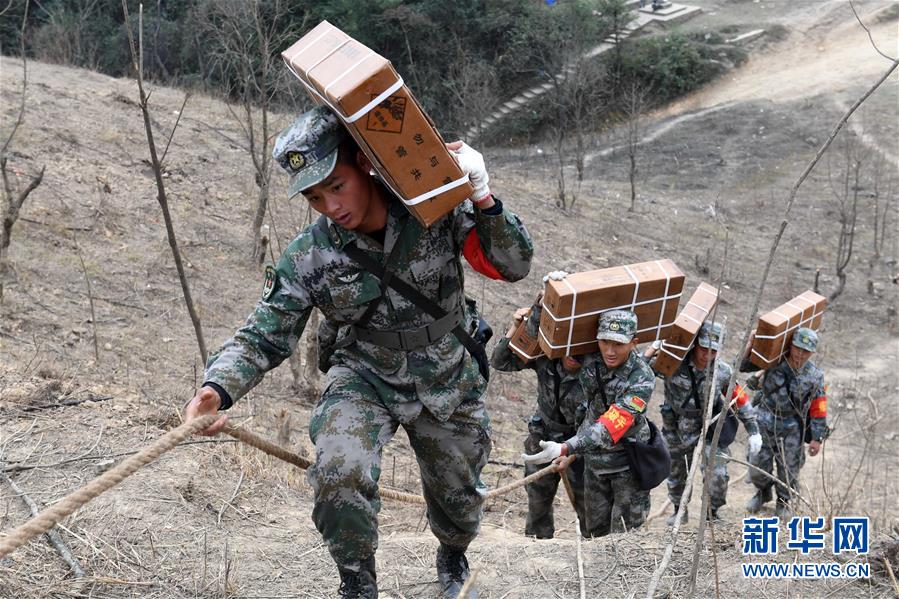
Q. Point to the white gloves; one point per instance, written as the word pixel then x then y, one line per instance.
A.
pixel 551 450
pixel 556 275
pixel 472 163
pixel 657 344
pixel 755 445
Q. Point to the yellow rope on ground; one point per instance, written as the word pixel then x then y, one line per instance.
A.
pixel 49 517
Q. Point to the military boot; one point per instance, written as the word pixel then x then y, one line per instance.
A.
pixel 783 511
pixel 761 497
pixel 452 571
pixel 358 581
pixel 673 517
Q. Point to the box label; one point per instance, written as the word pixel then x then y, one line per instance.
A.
pixel 387 117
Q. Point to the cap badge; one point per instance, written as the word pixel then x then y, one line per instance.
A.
pixel 296 160
pixel 614 326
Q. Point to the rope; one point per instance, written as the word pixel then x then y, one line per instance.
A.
pixel 57 512
pixel 48 518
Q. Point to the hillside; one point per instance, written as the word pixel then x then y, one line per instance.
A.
pixel 219 519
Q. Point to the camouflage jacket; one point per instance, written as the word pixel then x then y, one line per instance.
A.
pixel 560 396
pixel 788 397
pixel 682 415
pixel 314 271
pixel 616 409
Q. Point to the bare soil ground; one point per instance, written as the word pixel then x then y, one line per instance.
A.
pixel 219 519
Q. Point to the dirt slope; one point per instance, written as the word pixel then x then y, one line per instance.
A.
pixel 218 519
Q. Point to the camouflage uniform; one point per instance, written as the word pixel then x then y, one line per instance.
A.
pixel 785 402
pixel 682 426
pixel 560 409
pixel 435 392
pixel 617 399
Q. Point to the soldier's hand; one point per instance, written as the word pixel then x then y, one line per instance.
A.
pixel 556 275
pixel 551 450
pixel 472 164
pixel 814 447
pixel 206 401
pixel 755 445
pixel 520 314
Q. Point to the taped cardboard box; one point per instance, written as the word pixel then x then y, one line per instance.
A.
pixel 389 125
pixel 523 345
pixel 686 327
pixel 571 307
pixel 774 333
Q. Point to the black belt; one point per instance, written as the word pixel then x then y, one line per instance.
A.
pixel 408 340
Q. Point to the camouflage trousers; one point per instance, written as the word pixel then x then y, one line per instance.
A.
pixel 542 493
pixel 350 427
pixel 612 502
pixel 681 459
pixel 782 448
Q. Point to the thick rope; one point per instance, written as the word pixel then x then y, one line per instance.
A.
pixel 60 510
pixel 48 518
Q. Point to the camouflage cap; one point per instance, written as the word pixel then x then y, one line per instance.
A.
pixel 805 338
pixel 617 325
pixel 710 335
pixel 307 149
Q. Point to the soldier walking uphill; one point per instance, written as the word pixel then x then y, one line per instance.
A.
pixel 792 409
pixel 392 363
pixel 617 384
pixel 560 408
pixel 683 412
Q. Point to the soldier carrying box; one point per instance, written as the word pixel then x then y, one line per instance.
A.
pixel 683 412
pixel 394 290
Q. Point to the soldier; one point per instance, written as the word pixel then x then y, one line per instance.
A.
pixel 618 384
pixel 392 363
pixel 792 409
pixel 682 415
pixel 560 408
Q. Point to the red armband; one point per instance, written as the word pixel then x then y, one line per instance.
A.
pixel 474 253
pixel 617 422
pixel 818 409
pixel 740 395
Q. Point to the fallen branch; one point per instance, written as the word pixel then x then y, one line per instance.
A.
pixel 52 535
pixel 66 404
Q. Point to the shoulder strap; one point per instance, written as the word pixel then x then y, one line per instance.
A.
pixel 693 391
pixel 421 301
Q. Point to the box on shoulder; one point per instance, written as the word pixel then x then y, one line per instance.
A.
pixel 571 307
pixel 683 332
pixel 384 118
pixel 774 332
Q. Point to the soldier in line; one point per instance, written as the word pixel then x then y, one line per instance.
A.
pixel 682 415
pixel 392 363
pixel 560 409
pixel 792 408
pixel 618 384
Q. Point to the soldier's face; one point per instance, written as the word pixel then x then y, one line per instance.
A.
pixel 702 356
pixel 348 197
pixel 798 357
pixel 614 353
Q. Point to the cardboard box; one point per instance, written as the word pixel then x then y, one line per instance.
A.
pixel 571 306
pixel 686 327
pixel 383 117
pixel 774 333
pixel 523 345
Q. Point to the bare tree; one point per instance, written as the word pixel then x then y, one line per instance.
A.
pixel 635 101
pixel 247 38
pixel 845 187
pixel 156 163
pixel 14 197
pixel 472 83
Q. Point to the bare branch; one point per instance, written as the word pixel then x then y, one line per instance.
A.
pixel 174 128
pixel 868 31
pixel 21 115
